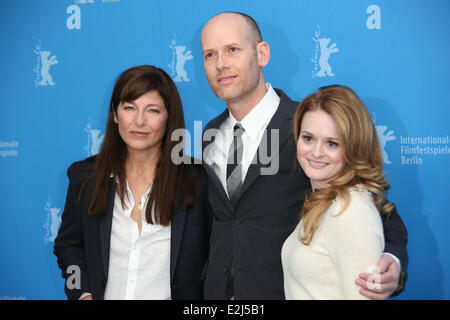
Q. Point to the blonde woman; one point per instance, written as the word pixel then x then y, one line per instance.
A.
pixel 340 232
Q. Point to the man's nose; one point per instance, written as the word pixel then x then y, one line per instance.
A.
pixel 222 61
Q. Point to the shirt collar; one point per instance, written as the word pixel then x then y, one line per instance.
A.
pixel 260 115
pixel 128 186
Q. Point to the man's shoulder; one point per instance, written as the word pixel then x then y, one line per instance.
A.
pixel 284 98
pixel 217 121
pixel 285 102
pixel 287 107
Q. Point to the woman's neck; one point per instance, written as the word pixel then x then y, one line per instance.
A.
pixel 142 164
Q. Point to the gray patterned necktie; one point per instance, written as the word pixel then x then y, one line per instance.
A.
pixel 234 161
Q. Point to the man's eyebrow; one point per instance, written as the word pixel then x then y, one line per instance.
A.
pixel 233 44
pixel 206 50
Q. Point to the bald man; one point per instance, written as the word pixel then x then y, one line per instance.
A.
pixel 255 211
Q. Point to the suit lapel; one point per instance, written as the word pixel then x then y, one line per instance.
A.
pixel 177 227
pixel 282 123
pixel 206 141
pixel 105 229
pixel 214 124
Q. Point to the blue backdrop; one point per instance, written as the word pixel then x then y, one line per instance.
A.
pixel 60 58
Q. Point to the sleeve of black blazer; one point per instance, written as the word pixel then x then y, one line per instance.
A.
pixel 69 243
pixel 396 239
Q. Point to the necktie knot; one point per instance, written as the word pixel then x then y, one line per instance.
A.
pixel 238 129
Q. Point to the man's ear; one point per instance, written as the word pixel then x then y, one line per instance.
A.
pixel 263 50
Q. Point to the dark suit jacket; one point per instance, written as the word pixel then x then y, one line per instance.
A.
pixel 247 235
pixel 84 240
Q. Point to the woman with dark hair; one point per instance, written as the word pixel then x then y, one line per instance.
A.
pixel 340 232
pixel 135 225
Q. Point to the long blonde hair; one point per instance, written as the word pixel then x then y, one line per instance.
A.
pixel 360 148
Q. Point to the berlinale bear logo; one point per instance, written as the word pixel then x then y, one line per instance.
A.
pixel 383 138
pixel 42 70
pixel 321 60
pixel 181 58
pixel 53 221
pixel 95 139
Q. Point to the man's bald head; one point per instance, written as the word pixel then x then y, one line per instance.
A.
pixel 254 33
pixel 233 58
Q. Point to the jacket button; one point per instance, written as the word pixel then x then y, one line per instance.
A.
pixel 225 269
pixel 238 221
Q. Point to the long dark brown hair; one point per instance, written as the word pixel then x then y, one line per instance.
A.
pixel 173 184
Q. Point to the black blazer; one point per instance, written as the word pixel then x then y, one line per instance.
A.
pixel 84 240
pixel 247 235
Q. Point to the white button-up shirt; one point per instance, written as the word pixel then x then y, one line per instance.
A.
pixel 139 265
pixel 254 124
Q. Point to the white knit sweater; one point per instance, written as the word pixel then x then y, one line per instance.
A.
pixel 343 246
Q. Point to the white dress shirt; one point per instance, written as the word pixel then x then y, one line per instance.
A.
pixel 254 124
pixel 139 265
